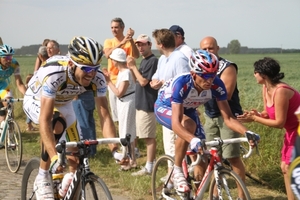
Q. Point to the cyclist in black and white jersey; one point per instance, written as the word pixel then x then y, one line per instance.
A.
pixel 47 102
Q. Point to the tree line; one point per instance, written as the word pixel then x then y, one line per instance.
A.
pixel 233 47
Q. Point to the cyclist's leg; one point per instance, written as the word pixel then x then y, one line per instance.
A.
pixel 42 184
pixel 164 116
pixel 181 146
pixel 72 133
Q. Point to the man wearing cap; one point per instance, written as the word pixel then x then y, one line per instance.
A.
pixel 125 42
pixel 179 41
pixel 145 97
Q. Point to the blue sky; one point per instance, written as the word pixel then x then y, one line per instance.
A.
pixel 255 23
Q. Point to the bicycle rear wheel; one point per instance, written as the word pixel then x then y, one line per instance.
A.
pixel 229 184
pixel 13 146
pixel 160 179
pixel 30 172
pixel 95 188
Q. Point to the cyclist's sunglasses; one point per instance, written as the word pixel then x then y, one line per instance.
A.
pixel 207 75
pixel 86 68
pixel 7 57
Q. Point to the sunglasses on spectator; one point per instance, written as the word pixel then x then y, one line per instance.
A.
pixel 7 57
pixel 207 76
pixel 86 68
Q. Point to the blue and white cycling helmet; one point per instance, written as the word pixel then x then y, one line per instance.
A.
pixel 204 62
pixel 6 50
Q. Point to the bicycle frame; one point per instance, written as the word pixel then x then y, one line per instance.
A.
pixel 8 118
pixel 83 168
pixel 215 164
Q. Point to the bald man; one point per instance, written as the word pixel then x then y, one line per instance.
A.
pixel 214 124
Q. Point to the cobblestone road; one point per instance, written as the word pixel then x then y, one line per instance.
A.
pixel 10 183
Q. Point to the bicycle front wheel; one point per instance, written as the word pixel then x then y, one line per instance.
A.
pixel 161 185
pixel 231 186
pixel 95 188
pixel 30 172
pixel 13 146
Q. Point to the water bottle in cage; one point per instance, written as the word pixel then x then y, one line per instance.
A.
pixel 57 180
pixel 65 184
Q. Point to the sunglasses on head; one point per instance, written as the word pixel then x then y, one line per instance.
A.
pixel 86 68
pixel 207 75
pixel 7 57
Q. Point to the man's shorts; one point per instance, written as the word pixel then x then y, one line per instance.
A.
pixel 32 109
pixel 163 115
pixel 216 127
pixel 145 124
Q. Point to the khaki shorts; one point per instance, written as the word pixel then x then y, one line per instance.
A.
pixel 216 127
pixel 145 124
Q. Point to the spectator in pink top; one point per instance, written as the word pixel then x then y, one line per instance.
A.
pixel 280 103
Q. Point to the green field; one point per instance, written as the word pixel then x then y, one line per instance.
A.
pixel 266 166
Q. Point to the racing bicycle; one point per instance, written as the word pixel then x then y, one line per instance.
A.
pixel 85 185
pixel 10 136
pixel 219 182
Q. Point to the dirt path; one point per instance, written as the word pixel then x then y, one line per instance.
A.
pixel 10 187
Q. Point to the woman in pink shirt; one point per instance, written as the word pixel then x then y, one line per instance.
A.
pixel 280 103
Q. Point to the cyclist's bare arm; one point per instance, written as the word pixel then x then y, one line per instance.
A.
pixel 46 132
pixel 229 119
pixel 20 84
pixel 107 125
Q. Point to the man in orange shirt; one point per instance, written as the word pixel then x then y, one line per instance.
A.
pixel 125 42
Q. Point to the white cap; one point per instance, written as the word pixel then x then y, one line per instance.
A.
pixel 118 54
pixel 143 38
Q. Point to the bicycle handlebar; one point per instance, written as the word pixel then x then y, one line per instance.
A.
pixel 219 142
pixel 61 146
pixel 11 100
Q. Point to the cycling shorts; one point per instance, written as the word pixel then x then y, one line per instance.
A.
pixel 163 115
pixel 32 109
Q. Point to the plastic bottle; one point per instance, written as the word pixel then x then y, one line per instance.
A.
pixel 66 183
pixel 57 179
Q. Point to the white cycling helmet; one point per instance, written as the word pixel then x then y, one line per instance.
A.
pixel 204 62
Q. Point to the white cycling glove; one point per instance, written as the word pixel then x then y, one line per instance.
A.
pixel 195 144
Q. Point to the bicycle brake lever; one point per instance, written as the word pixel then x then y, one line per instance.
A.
pixel 126 141
pixel 61 152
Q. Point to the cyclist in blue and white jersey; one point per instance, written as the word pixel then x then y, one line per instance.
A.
pixel 178 100
pixel 8 66
pixel 48 102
